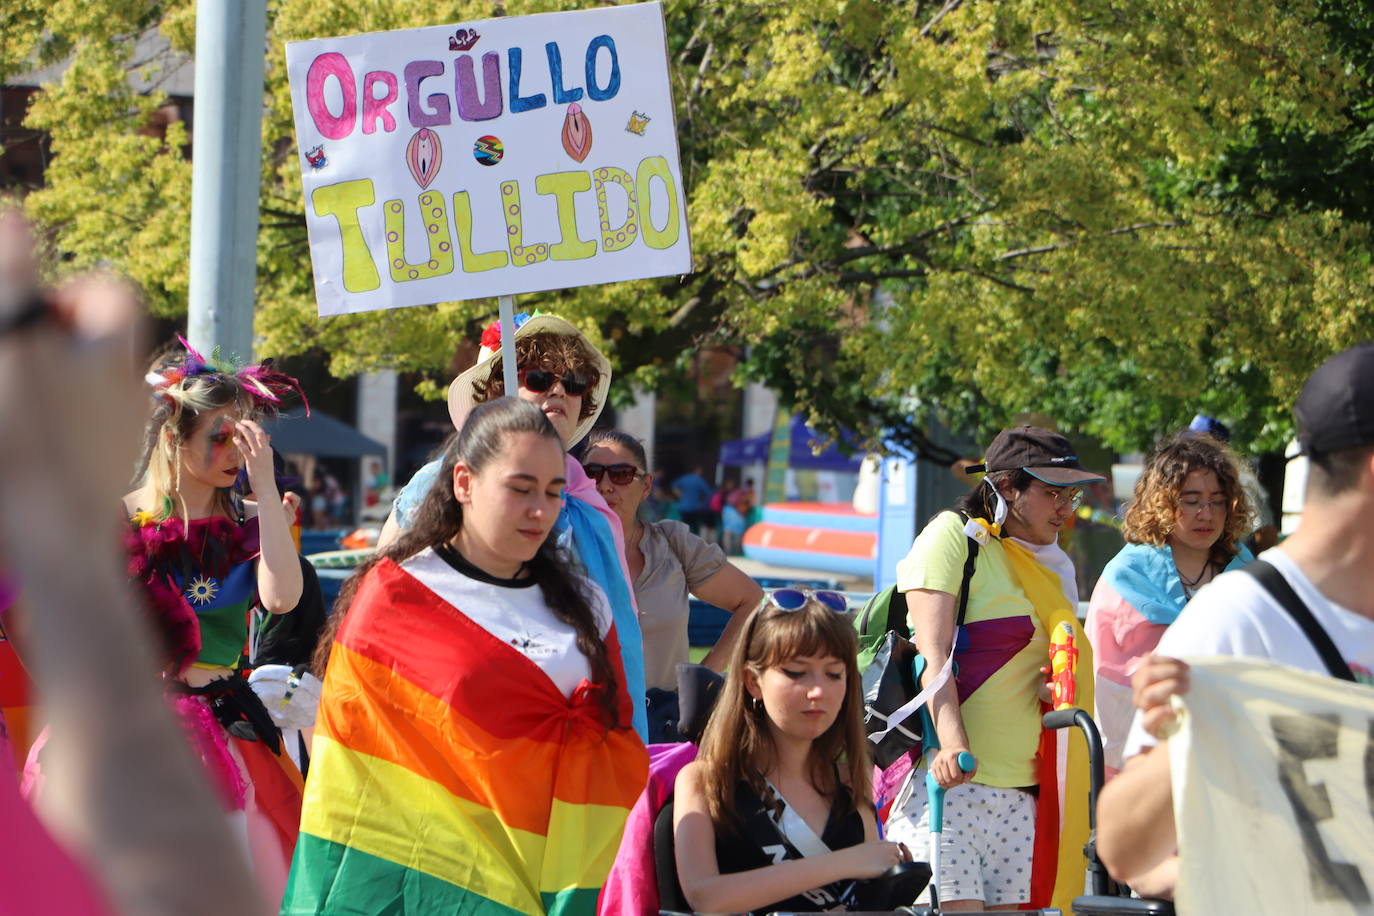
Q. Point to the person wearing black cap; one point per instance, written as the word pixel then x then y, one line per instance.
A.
pixel 1021 580
pixel 1326 567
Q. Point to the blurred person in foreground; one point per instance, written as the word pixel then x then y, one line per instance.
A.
pixel 134 825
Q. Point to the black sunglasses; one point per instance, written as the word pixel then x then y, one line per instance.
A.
pixel 620 474
pixel 541 380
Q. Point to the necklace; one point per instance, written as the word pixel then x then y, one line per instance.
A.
pixel 1192 583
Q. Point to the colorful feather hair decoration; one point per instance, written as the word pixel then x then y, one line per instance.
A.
pixel 264 384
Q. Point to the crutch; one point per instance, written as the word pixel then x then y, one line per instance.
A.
pixel 935 793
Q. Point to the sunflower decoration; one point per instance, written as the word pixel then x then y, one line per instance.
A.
pixel 202 590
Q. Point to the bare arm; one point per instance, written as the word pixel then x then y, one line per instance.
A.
pixel 708 891
pixel 1160 881
pixel 930 615
pixel 122 788
pixel 734 591
pixel 1135 828
pixel 279 569
pixel 1135 817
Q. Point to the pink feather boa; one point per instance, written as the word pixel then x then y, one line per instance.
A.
pixel 212 747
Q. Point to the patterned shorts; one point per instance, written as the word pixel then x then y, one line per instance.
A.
pixel 986 845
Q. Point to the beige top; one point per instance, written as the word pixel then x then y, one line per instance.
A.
pixel 675 562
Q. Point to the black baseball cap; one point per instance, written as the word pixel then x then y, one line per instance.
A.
pixel 1335 410
pixel 1040 453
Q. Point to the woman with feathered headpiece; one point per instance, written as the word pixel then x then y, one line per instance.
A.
pixel 204 558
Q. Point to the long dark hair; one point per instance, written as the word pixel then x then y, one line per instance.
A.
pixel 440 517
pixel 737 745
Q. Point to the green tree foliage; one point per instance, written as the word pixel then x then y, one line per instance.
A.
pixel 1117 215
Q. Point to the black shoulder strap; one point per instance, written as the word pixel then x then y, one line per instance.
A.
pixel 1273 582
pixel 970 564
pixel 896 602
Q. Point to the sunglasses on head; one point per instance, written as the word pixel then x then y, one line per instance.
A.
pixel 620 474
pixel 794 599
pixel 541 380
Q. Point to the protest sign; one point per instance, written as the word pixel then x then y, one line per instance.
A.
pixel 489 158
pixel 1273 774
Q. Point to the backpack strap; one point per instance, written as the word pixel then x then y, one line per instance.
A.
pixel 896 603
pixel 877 611
pixel 1273 581
pixel 970 565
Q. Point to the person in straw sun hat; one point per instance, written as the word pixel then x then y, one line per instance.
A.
pixel 562 372
pixel 555 362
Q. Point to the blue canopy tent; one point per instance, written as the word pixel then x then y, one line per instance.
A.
pixel 754 450
pixel 319 434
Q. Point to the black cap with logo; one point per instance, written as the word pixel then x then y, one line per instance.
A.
pixel 1335 410
pixel 1040 453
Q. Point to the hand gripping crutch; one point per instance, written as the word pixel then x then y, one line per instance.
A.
pixel 935 793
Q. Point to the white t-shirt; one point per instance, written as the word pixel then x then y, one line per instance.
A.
pixel 514 612
pixel 1235 615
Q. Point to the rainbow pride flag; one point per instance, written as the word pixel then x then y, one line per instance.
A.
pixel 450 775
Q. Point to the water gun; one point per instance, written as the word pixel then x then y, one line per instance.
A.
pixel 1063 665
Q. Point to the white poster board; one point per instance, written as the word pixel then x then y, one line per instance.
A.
pixel 1273 782
pixel 488 158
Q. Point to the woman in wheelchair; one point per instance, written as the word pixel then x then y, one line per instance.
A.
pixel 775 813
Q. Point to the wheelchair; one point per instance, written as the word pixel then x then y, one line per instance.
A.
pixel 1106 897
pixel 887 893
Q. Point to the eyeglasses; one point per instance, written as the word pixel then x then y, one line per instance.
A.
pixel 794 599
pixel 1062 497
pixel 1193 505
pixel 620 474
pixel 541 380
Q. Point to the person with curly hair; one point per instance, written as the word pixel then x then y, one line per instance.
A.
pixel 1183 528
pixel 1324 565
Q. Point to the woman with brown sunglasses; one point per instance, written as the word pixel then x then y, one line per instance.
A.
pixel 668 563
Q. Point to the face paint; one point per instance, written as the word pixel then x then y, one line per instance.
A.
pixel 210 455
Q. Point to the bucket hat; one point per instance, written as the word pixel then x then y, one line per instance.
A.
pixel 460 393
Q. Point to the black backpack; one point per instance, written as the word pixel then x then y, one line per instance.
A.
pixel 888 662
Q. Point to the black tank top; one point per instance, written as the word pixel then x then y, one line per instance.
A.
pixel 760 843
